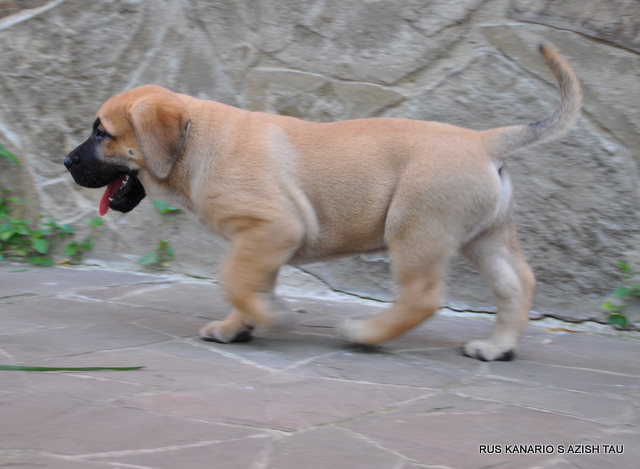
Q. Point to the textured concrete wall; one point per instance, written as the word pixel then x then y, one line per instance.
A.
pixel 467 62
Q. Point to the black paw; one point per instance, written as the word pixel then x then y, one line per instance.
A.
pixel 365 348
pixel 244 336
pixel 241 337
pixel 507 356
pixel 478 355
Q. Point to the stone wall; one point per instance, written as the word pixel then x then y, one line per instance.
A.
pixel 467 62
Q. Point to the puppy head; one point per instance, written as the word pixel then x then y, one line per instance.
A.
pixel 140 130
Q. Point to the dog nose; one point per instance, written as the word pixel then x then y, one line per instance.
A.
pixel 70 160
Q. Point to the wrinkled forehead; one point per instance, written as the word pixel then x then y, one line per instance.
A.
pixel 114 113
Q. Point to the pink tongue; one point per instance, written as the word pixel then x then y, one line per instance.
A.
pixel 108 194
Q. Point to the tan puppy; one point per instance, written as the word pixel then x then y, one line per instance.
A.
pixel 284 190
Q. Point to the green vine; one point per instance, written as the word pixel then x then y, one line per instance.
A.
pixel 162 255
pixel 623 294
pixel 4 153
pixel 23 240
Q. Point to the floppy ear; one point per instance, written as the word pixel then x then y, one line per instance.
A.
pixel 161 124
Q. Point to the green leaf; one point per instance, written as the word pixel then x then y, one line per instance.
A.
pixel 40 245
pixel 148 258
pixel 160 205
pixel 95 222
pixel 87 244
pixel 87 368
pixel 18 295
pixel 6 234
pixel 168 250
pixel 618 319
pixel 164 207
pixel 624 268
pixel 40 260
pixel 71 249
pixel 612 307
pixel 68 229
pixel 622 292
pixel 4 153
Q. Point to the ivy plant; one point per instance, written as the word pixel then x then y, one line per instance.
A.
pixel 162 255
pixel 623 294
pixel 22 239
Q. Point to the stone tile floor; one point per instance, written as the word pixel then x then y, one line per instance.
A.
pixel 295 399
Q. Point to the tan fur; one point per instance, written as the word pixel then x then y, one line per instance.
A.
pixel 284 190
pixel 161 125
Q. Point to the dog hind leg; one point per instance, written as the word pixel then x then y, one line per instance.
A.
pixel 497 256
pixel 419 276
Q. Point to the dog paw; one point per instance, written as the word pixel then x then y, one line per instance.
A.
pixel 485 351
pixel 215 332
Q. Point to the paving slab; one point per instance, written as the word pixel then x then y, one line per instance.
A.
pixel 294 398
pixel 161 373
pixel 610 410
pixel 331 447
pixel 229 453
pixel 72 427
pixel 38 461
pixel 281 402
pixel 22 282
pixel 601 452
pixel 450 431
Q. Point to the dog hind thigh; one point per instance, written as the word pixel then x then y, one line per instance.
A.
pixel 419 257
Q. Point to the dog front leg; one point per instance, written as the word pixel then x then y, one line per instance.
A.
pixel 232 329
pixel 249 278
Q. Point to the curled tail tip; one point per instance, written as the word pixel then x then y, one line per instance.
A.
pixel 547 51
pixel 519 136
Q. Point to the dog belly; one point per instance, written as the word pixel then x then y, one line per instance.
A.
pixel 341 240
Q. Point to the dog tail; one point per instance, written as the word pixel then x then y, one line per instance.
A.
pixel 505 140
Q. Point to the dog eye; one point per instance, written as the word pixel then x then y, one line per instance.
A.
pixel 101 133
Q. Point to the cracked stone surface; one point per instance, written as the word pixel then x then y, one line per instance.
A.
pixel 291 399
pixel 615 22
pixel 466 62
